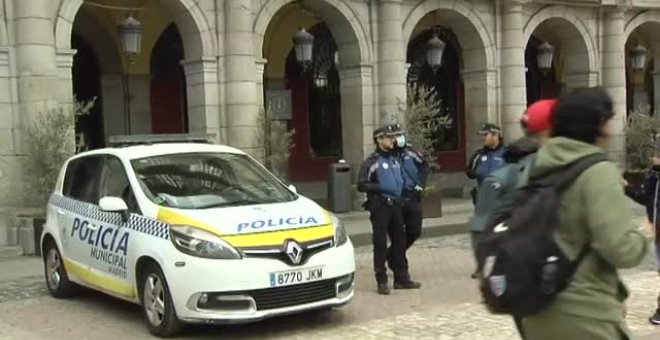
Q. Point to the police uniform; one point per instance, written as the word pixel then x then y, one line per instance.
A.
pixel 485 160
pixel 380 177
pixel 415 172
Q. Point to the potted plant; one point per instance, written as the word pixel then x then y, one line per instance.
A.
pixel 423 119
pixel 642 143
pixel 276 141
pixel 49 141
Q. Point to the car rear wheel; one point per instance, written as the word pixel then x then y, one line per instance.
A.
pixel 57 279
pixel 157 305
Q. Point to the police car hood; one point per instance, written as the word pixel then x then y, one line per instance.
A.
pixel 259 225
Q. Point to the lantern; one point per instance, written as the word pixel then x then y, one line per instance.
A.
pixel 544 56
pixel 434 50
pixel 638 58
pixel 303 43
pixel 130 32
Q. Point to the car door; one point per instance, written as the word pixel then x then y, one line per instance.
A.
pixel 111 251
pixel 76 213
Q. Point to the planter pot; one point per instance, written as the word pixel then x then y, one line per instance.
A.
pixel 635 177
pixel 432 204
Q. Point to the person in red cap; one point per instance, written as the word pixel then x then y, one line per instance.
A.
pixel 536 122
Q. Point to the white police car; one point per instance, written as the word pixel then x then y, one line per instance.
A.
pixel 194 233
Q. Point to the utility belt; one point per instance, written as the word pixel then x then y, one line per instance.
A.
pixel 411 195
pixel 383 200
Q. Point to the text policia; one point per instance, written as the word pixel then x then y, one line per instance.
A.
pixel 108 245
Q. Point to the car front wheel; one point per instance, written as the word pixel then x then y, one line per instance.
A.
pixel 57 279
pixel 157 305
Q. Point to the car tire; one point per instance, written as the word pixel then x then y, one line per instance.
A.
pixel 57 279
pixel 157 306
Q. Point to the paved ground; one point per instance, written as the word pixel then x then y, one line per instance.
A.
pixel 445 308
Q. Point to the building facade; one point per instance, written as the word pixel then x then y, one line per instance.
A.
pixel 210 65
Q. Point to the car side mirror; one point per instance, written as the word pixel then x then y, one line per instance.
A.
pixel 115 204
pixel 293 189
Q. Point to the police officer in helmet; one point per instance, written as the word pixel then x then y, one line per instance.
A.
pixel 380 177
pixel 415 172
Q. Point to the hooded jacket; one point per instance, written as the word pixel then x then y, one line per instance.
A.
pixel 594 212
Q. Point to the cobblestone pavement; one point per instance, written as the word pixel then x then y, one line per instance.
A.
pixel 445 308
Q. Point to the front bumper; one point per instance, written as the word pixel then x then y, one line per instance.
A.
pixel 239 291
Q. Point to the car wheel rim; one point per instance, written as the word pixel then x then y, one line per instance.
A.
pixel 53 268
pixel 154 300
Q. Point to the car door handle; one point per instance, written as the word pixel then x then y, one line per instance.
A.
pixel 60 212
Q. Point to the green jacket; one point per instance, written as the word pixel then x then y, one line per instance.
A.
pixel 594 211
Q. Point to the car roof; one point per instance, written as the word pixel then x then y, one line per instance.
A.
pixel 158 149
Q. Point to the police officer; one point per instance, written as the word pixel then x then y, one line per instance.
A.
pixel 415 171
pixel 380 177
pixel 487 159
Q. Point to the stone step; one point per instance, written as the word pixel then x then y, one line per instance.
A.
pixel 9 252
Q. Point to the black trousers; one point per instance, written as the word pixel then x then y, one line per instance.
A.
pixel 412 221
pixel 387 221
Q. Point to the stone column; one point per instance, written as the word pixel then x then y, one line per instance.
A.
pixel 514 91
pixel 614 76
pixel 241 90
pixel 391 59
pixel 357 112
pixel 202 92
pixel 35 57
pixel 260 67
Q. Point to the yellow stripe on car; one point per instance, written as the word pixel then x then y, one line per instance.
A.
pixel 99 280
pixel 258 239
pixel 277 238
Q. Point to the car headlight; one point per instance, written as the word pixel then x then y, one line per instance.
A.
pixel 341 236
pixel 200 243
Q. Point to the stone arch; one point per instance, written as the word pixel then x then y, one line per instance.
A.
pixel 576 34
pixel 644 28
pixel 471 30
pixel 189 17
pixel 97 36
pixel 340 17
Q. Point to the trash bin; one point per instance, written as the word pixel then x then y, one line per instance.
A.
pixel 339 187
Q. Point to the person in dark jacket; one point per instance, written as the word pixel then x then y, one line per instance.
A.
pixel 648 195
pixel 487 159
pixel 415 172
pixel 380 177
pixel 519 157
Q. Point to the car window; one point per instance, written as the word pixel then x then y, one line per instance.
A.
pixel 115 183
pixel 206 180
pixel 81 181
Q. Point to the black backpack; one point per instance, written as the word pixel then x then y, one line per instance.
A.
pixel 521 267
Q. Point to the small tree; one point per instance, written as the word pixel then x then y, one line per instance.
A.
pixel 276 141
pixel 642 139
pixel 423 119
pixel 50 140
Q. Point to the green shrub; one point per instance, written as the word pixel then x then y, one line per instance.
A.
pixel 642 142
pixel 276 141
pixel 49 141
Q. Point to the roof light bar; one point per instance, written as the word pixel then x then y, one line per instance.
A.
pixel 147 139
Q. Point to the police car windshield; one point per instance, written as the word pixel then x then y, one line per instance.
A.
pixel 207 180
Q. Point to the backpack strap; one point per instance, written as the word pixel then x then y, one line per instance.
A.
pixel 564 176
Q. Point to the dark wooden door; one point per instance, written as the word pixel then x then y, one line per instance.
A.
pixel 167 105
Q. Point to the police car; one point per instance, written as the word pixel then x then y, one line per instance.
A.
pixel 194 233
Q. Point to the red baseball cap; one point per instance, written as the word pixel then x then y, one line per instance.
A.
pixel 538 117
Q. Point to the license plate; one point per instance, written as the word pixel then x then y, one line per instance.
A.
pixel 292 277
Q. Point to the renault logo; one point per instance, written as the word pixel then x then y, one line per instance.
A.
pixel 294 251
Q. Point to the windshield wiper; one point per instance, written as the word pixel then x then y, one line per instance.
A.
pixel 232 203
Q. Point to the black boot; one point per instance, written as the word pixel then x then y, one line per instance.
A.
pixel 383 289
pixel 407 285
